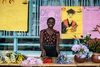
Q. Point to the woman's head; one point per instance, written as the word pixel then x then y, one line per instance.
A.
pixel 51 22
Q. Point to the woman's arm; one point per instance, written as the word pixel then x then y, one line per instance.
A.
pixel 41 44
pixel 57 43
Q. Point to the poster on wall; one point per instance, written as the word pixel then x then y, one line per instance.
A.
pixel 50 11
pixel 71 21
pixel 91 21
pixel 13 15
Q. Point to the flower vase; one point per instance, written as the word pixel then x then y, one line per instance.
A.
pixel 79 60
pixel 95 57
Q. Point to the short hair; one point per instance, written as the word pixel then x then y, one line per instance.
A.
pixel 50 18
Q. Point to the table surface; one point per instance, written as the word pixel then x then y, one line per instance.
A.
pixel 46 64
pixel 86 63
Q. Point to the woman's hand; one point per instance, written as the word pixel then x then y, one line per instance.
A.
pixel 43 53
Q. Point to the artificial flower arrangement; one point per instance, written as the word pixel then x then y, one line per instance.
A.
pixel 94 45
pixel 31 61
pixel 11 57
pixel 47 59
pixel 62 59
pixel 81 50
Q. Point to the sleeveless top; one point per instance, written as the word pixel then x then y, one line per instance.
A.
pixel 49 39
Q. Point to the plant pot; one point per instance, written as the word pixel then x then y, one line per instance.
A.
pixel 95 57
pixel 79 60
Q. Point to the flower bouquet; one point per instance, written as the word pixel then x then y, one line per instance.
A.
pixel 80 51
pixel 11 57
pixel 47 59
pixel 31 61
pixel 94 46
pixel 62 59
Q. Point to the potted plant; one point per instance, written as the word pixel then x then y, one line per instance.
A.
pixel 80 51
pixel 94 46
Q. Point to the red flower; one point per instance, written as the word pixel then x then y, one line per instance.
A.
pixel 90 35
pixel 46 60
pixel 81 36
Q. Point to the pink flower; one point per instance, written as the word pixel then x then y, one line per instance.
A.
pixel 32 62
pixel 39 61
pixel 76 47
pixel 29 58
pixel 25 62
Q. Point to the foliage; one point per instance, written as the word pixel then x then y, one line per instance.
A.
pixel 85 38
pixel 94 45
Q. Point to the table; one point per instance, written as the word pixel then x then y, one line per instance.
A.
pixel 88 63
pixel 46 64
pixel 75 64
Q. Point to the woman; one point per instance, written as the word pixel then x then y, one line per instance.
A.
pixel 49 40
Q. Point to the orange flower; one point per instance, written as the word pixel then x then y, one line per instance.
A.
pixel 63 9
